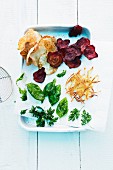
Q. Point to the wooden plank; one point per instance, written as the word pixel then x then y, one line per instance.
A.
pixel 18 148
pixel 58 151
pixel 97 15
pixel 57 12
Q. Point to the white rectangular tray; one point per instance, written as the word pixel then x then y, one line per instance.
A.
pixel 62 32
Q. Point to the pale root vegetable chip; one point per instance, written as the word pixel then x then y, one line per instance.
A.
pixel 38 54
pixel 28 41
pixel 81 86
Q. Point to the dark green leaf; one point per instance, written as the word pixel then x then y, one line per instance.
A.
pixel 35 91
pixel 75 113
pixel 61 74
pixel 86 118
pixel 20 78
pixel 23 93
pixel 49 87
pixel 55 95
pixel 62 107
pixel 40 122
pixel 37 111
pixel 23 112
pixel 50 117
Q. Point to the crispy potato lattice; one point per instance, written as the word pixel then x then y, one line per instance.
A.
pixel 81 86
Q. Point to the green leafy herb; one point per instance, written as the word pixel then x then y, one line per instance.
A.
pixel 49 87
pixel 61 74
pixel 50 117
pixel 53 92
pixel 20 78
pixel 62 107
pixel 40 114
pixel 86 118
pixel 54 96
pixel 37 111
pixel 23 92
pixel 43 116
pixel 23 112
pixel 35 91
pixel 75 113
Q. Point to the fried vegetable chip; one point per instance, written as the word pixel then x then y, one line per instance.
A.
pixel 81 86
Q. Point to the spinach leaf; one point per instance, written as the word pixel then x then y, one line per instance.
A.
pixel 49 87
pixel 61 74
pixel 75 113
pixel 62 107
pixel 23 92
pixel 86 118
pixel 55 95
pixel 35 91
pixel 20 78
pixel 53 92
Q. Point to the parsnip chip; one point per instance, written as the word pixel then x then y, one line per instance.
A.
pixel 81 86
pixel 25 43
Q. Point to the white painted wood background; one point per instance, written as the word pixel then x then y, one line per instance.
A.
pixel 21 150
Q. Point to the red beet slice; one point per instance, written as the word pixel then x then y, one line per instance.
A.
pixel 62 43
pixel 82 43
pixel 90 53
pixel 39 76
pixel 71 53
pixel 74 31
pixel 73 64
pixel 55 59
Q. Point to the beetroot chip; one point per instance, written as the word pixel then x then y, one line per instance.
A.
pixel 90 53
pixel 71 53
pixel 55 59
pixel 73 64
pixel 74 31
pixel 39 76
pixel 61 44
pixel 82 43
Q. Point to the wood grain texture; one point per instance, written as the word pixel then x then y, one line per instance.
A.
pixel 97 15
pixel 18 148
pixel 57 12
pixel 59 151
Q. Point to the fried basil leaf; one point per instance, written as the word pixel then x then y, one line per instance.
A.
pixel 35 91
pixel 62 108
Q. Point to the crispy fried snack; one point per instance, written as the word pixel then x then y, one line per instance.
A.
pixel 80 86
pixel 38 54
pixel 25 43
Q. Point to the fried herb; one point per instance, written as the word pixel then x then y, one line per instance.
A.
pixel 75 113
pixel 54 96
pixel 61 74
pixel 39 113
pixel 20 78
pixel 23 93
pixel 23 112
pixel 43 116
pixel 50 117
pixel 35 91
pixel 86 118
pixel 62 107
pixel 49 87
pixel 53 92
